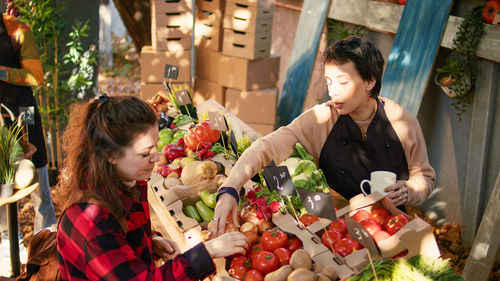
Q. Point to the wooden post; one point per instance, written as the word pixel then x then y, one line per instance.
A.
pixel 479 141
pixel 482 255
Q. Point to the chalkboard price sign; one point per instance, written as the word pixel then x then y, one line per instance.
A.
pixel 171 71
pixel 358 233
pixel 217 121
pixel 278 178
pixel 182 97
pixel 234 144
pixel 318 204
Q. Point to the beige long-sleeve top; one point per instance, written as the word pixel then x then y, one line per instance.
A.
pixel 312 128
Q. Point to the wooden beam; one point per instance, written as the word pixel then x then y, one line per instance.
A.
pixel 414 50
pixel 483 253
pixel 305 48
pixel 479 141
pixel 385 17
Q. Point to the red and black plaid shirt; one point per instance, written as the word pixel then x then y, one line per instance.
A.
pixel 91 245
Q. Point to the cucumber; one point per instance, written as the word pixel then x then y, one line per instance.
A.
pixel 205 212
pixel 191 212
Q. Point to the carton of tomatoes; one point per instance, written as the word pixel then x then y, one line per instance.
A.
pixel 395 233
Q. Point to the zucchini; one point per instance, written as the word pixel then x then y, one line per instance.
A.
pixel 205 212
pixel 191 212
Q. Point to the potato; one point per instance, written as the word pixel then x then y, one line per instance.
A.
pixel 329 272
pixel 279 275
pixel 302 274
pixel 322 277
pixel 301 259
pixel 317 267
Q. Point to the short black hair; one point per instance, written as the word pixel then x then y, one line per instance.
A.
pixel 366 57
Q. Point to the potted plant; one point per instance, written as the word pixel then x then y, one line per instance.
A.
pixel 10 148
pixel 458 77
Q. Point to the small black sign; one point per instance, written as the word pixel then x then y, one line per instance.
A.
pixel 27 115
pixel 278 178
pixel 358 233
pixel 318 203
pixel 171 71
pixel 217 121
pixel 182 97
pixel 234 144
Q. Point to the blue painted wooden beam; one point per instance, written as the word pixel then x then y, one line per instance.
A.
pixel 414 51
pixel 305 47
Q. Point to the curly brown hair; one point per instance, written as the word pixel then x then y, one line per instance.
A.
pixel 97 130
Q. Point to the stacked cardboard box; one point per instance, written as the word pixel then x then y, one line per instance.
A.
pixel 248 86
pixel 208 25
pixel 171 37
pixel 248 28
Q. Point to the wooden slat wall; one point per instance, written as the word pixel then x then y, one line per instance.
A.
pixel 385 17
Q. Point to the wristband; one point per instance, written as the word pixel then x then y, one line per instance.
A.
pixel 229 190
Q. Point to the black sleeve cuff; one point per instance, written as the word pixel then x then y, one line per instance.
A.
pixel 229 190
pixel 200 260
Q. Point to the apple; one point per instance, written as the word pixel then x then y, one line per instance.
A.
pixel 185 160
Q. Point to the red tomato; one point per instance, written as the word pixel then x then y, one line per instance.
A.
pixel 308 219
pixel 254 275
pixel 254 251
pixel 490 10
pixel 342 247
pixel 371 226
pixel 339 225
pixel 395 223
pixel 402 2
pixel 283 255
pixel 361 215
pixel 330 237
pixel 294 244
pixel 201 133
pixel 354 244
pixel 380 215
pixel 400 255
pixel 239 267
pixel 273 239
pixel 381 235
pixel 265 262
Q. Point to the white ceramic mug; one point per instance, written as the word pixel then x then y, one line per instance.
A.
pixel 379 180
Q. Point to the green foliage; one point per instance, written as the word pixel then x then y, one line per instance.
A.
pixel 9 143
pixel 68 64
pixel 462 63
pixel 337 30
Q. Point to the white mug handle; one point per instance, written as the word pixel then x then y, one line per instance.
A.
pixel 361 186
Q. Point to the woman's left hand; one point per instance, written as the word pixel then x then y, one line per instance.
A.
pixel 165 248
pixel 398 193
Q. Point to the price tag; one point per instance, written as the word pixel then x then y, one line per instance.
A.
pixel 358 233
pixel 217 121
pixel 234 143
pixel 27 115
pixel 171 71
pixel 278 178
pixel 318 203
pixel 182 97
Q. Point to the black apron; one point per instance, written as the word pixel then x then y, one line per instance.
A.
pixel 14 96
pixel 346 159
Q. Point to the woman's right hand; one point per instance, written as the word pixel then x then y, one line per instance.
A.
pixel 227 244
pixel 226 207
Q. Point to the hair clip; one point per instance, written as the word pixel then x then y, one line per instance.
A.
pixel 103 98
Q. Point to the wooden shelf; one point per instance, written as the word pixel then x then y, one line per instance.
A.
pixel 385 17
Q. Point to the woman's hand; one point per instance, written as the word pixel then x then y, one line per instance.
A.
pixel 228 244
pixel 165 248
pixel 226 207
pixel 398 193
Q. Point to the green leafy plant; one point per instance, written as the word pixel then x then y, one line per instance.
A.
pixel 67 63
pixel 458 76
pixel 9 149
pixel 337 30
